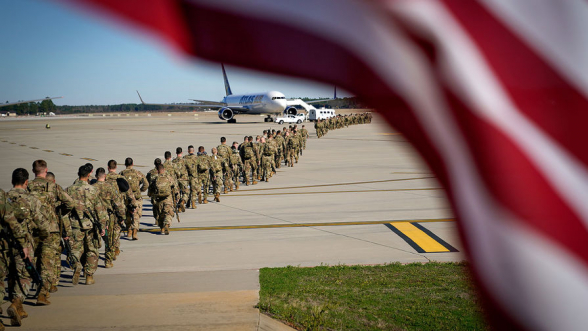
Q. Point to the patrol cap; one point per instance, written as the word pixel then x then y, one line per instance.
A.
pixel 123 185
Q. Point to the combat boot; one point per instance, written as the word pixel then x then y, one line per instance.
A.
pixel 254 182
pixel 166 229
pixel 200 198
pixel 42 300
pixel 14 314
pixel 205 201
pixel 117 252
pixel 108 264
pixel 90 280
pixel 226 191
pixel 217 197
pixel 21 311
pixel 76 276
pixel 193 203
pixel 135 234
pixel 53 289
pixel 236 186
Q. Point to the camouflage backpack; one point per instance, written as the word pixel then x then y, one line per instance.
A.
pixel 161 188
pixel 249 153
pixel 132 178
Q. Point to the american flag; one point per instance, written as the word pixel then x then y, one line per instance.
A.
pixel 493 94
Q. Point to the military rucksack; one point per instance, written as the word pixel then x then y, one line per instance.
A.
pixel 161 189
pixel 249 153
pixel 132 178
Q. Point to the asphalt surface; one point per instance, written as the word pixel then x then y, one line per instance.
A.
pixel 202 278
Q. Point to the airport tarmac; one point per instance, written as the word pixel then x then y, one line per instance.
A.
pixel 343 203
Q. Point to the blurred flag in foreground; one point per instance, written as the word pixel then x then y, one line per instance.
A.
pixel 493 94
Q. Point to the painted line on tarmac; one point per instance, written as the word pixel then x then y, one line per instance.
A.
pixel 48 151
pixel 297 225
pixel 332 192
pixel 338 184
pixel 34 147
pixel 420 238
pixel 65 154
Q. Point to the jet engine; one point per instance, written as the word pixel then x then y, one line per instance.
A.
pixel 226 114
pixel 291 111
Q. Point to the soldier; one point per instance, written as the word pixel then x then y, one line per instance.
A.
pixel 29 212
pixel 191 161
pixel 217 164
pixel 88 225
pixel 170 170
pixel 115 207
pixel 162 190
pixel 49 250
pixel 12 229
pixel 183 178
pixel 257 149
pixel 281 143
pixel 128 199
pixel 203 166
pixel 236 164
pixel 150 177
pixel 249 164
pixel 304 133
pixel 291 143
pixel 268 151
pixel 138 184
pixel 225 152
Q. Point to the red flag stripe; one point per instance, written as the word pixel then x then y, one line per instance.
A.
pixel 538 90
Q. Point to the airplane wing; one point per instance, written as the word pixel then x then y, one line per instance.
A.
pixel 210 102
pixel 322 100
pixel 29 101
pixel 198 105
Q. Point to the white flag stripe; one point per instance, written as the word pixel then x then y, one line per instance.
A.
pixel 552 29
pixel 474 82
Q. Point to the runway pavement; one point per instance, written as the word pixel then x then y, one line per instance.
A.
pixel 334 207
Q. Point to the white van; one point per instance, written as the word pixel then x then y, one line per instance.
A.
pixel 320 114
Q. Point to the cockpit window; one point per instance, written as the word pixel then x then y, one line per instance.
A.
pixel 276 98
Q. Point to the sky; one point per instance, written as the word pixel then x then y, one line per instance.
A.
pixel 49 49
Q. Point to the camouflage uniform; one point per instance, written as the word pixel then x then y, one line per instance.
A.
pixel 257 163
pixel 203 166
pixel 292 142
pixel 249 164
pixel 267 152
pixel 225 152
pixel 217 164
pixel 183 180
pixel 304 133
pixel 85 233
pixel 138 184
pixel 280 150
pixel 127 199
pixel 115 207
pixel 163 203
pixel 236 167
pixel 51 196
pixel 150 178
pixel 191 161
pixel 13 228
pixel 29 211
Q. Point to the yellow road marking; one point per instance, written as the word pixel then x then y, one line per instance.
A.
pixel 65 154
pixel 428 244
pixel 33 147
pixel 48 151
pixel 297 225
pixel 338 184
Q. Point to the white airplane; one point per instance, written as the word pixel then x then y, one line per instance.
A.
pixel 19 102
pixel 272 102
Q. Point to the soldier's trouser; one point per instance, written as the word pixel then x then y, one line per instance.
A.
pixel 4 264
pixel 47 251
pixel 267 166
pixel 278 159
pixel 153 208
pixel 228 178
pixel 195 189
pixel 19 279
pixel 303 143
pixel 291 157
pixel 217 182
pixel 204 178
pixel 236 173
pixel 165 210
pixel 110 239
pixel 132 221
pixel 248 167
pixel 296 153
pixel 184 190
pixel 83 243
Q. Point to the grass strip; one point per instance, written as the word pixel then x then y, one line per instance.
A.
pixel 430 296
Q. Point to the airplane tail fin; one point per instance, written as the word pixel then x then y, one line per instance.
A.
pixel 143 102
pixel 227 86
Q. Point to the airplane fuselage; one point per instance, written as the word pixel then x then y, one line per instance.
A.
pixel 257 103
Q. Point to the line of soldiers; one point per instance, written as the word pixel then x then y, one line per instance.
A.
pixel 340 121
pixel 39 219
pixel 177 184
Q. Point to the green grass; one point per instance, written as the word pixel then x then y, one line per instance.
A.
pixel 431 296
